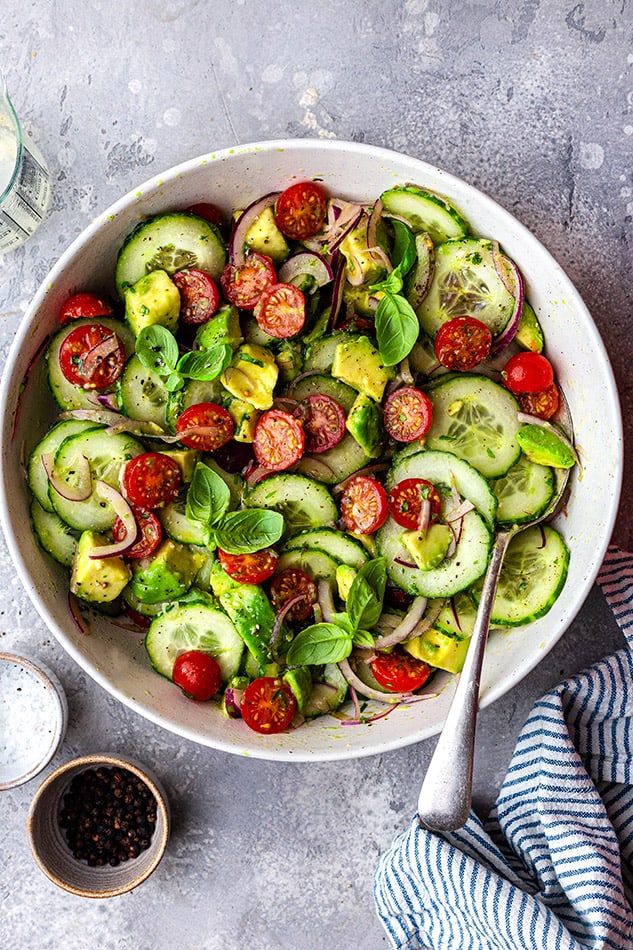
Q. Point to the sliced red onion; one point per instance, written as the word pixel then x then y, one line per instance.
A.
pixel 123 510
pixel 406 626
pixel 326 601
pixel 75 613
pixel 456 514
pixel 403 563
pixel 350 214
pixel 337 294
pixel 307 263
pixel 82 490
pixel 108 400
pixel 425 515
pixel 366 470
pixel 233 702
pixel 390 698
pixel 103 417
pixel 279 619
pixel 257 474
pixel 513 283
pixel 314 467
pixel 99 352
pixel 237 242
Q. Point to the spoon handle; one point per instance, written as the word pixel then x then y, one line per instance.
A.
pixel 446 793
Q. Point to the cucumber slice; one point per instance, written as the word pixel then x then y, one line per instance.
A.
pixel 194 627
pixel 170 242
pixel 67 395
pixel 465 281
pixel 337 544
pixel 524 492
pixel 36 473
pixel 54 536
pixel 303 502
pixel 475 419
pixel 442 468
pixel 457 616
pixel 106 454
pixel 176 524
pixel 316 564
pixel 194 391
pixel 533 574
pixel 425 211
pixel 453 575
pixel 142 394
pixel 337 463
pixel 419 278
pixel 319 383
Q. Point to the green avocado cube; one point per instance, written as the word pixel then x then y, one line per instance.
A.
pixel 439 650
pixel 153 299
pixel 358 363
pixel 428 548
pixel 167 574
pixel 264 237
pixel 223 327
pixel 364 423
pixel 94 579
pixel 300 682
pixel 544 447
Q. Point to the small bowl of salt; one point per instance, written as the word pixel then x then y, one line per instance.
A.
pixel 33 718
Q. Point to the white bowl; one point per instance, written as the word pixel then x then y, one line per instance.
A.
pixel 231 178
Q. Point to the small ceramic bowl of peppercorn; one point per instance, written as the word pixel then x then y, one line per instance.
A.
pixel 98 825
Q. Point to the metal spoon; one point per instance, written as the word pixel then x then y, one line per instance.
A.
pixel 446 793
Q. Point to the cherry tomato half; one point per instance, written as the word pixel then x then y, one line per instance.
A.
pixel 84 306
pixel 268 705
pixel 399 672
pixel 249 568
pixel 527 373
pixel 199 295
pixel 405 502
pixel 198 674
pixel 544 404
pixel 290 583
pixel 92 356
pixel 300 210
pixel 151 480
pixel 208 211
pixel 462 343
pixel 279 440
pixel 206 426
pixel 150 534
pixel 323 421
pixel 281 310
pixel 363 505
pixel 243 285
pixel 408 414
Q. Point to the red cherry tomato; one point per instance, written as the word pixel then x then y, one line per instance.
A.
pixel 84 306
pixel 199 295
pixel 281 310
pixel 363 505
pixel 294 583
pixel 527 373
pixel 206 426
pixel 300 210
pixel 399 672
pixel 323 421
pixel 405 502
pixel 209 212
pixel 249 568
pixel 279 440
pixel 150 534
pixel 151 480
pixel 408 414
pixel 462 343
pixel 544 404
pixel 92 356
pixel 244 284
pixel 268 705
pixel 198 674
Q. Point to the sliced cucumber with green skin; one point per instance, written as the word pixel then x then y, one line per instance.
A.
pixel 419 278
pixel 187 627
pixel 193 392
pixel 425 211
pixel 337 463
pixel 533 574
pixel 524 492
pixel 453 575
pixel 465 281
pixel 170 242
pixel 53 534
pixel 142 394
pixel 106 454
pixel 337 544
pixel 36 473
pixel 475 419
pixel 320 353
pixel 321 384
pixel 177 526
pixel 445 469
pixel 68 395
pixel 304 502
pixel 316 564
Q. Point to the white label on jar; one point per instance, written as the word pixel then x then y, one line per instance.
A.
pixel 24 207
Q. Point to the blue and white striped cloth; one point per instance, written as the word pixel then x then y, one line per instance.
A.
pixel 552 868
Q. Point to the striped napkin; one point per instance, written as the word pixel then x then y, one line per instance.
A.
pixel 553 865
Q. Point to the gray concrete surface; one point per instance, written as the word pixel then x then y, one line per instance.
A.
pixel 530 101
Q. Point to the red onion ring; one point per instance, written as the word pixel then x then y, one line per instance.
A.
pixel 405 628
pixel 75 613
pixel 83 489
pixel 512 280
pixel 99 352
pixel 125 513
pixel 307 263
pixel 389 698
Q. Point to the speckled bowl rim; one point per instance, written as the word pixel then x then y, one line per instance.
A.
pixel 49 795
pixel 59 708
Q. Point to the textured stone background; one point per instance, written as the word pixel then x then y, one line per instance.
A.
pixel 530 101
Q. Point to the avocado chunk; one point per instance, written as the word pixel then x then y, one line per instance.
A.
pixel 223 327
pixel 264 237
pixel 529 334
pixel 363 266
pixel 153 299
pixel 428 548
pixel 358 363
pixel 244 416
pixel 97 580
pixel 252 375
pixel 345 575
pixel 364 423
pixel 300 682
pixel 185 459
pixel 361 300
pixel 167 574
pixel 439 650
pixel 251 612
pixel 544 447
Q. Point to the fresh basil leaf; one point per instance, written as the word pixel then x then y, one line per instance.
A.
pixel 208 497
pixel 397 328
pixel 205 364
pixel 404 251
pixel 173 382
pixel 392 284
pixel 344 621
pixel 249 530
pixel 366 594
pixel 359 599
pixel 157 349
pixel 318 644
pixel 363 638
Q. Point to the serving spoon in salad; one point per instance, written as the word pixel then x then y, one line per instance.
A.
pixel 446 793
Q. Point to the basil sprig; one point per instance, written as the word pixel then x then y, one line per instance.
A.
pixel 397 325
pixel 157 349
pixel 333 641
pixel 236 532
